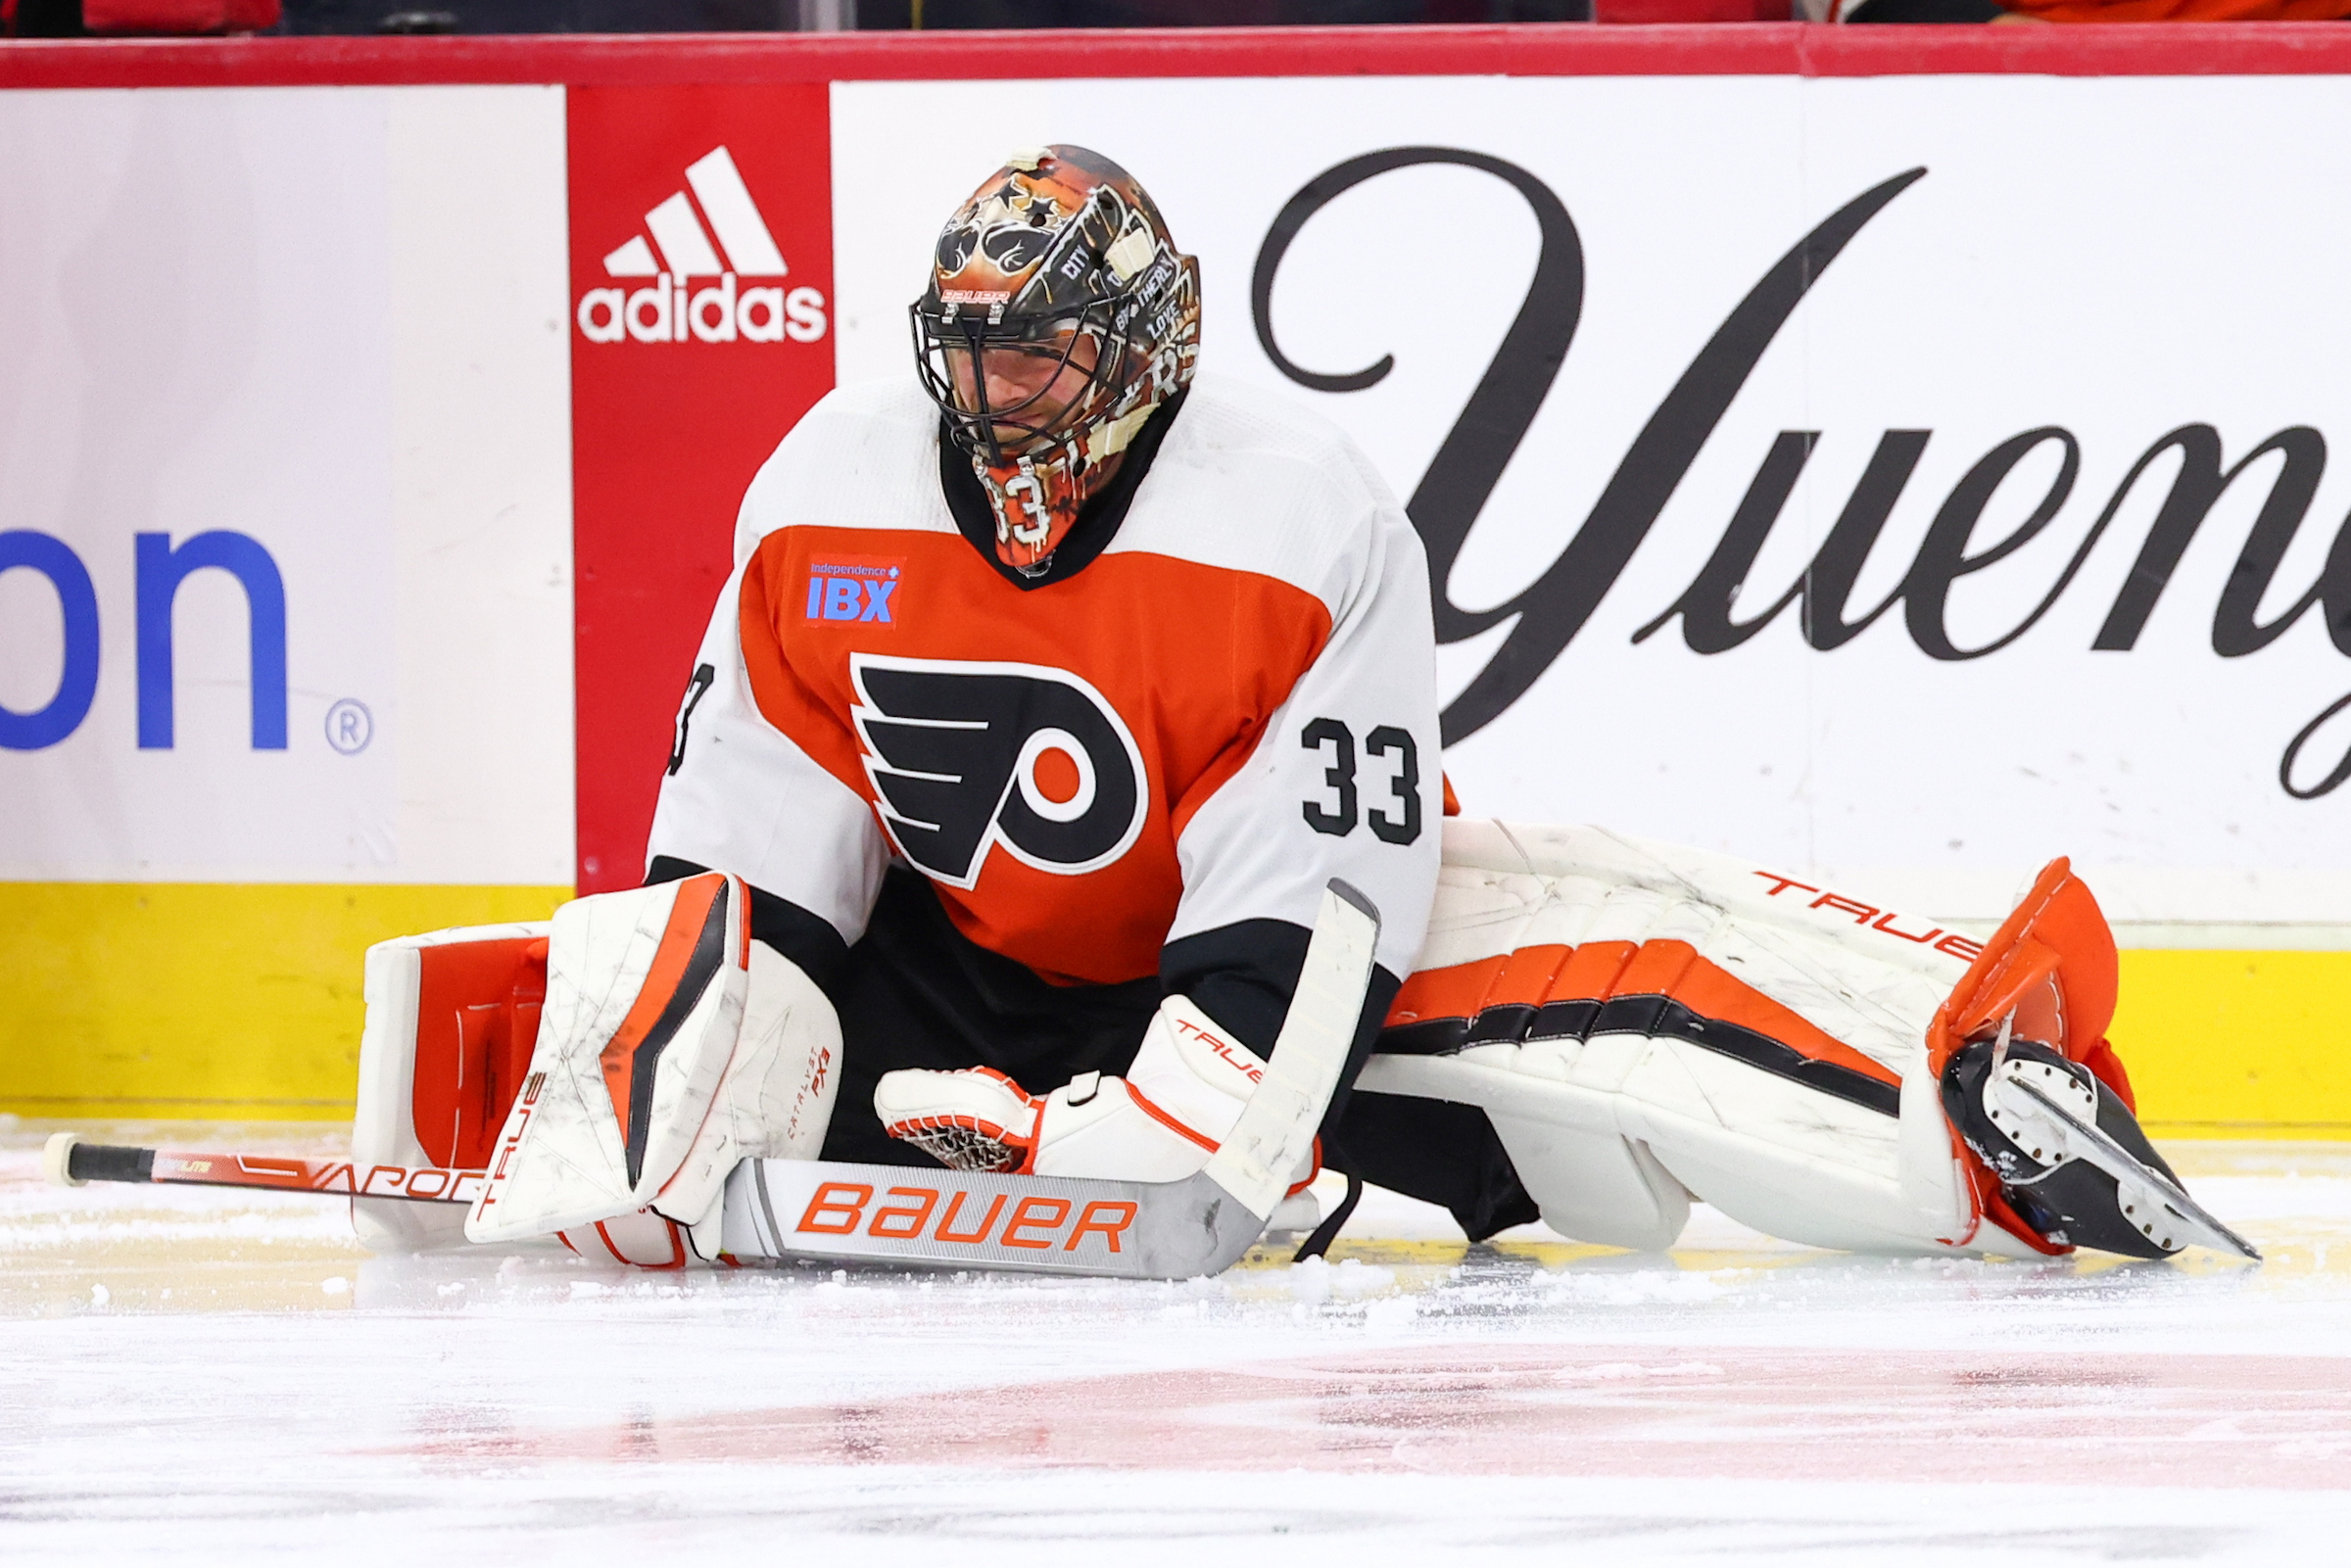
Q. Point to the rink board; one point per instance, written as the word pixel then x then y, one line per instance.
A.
pixel 381 494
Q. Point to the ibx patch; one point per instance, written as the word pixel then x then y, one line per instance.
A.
pixel 859 589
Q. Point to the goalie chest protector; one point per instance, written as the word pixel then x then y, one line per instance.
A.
pixel 1231 703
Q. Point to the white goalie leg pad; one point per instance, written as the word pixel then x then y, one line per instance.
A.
pixel 774 1100
pixel 1595 1186
pixel 642 1240
pixel 644 1003
pixel 1158 1122
pixel 1664 1022
pixel 432 1076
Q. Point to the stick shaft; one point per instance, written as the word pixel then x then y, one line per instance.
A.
pixel 334 1178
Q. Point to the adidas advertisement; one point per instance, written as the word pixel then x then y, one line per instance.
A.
pixel 701 328
pixel 650 301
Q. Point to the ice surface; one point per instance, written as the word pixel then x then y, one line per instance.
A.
pixel 200 1376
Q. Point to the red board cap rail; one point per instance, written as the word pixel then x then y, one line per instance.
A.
pixel 1568 49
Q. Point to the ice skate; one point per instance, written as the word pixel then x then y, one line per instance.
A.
pixel 2069 1156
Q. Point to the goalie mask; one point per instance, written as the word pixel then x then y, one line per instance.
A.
pixel 1059 318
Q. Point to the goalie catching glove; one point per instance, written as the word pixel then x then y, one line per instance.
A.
pixel 671 1046
pixel 1159 1122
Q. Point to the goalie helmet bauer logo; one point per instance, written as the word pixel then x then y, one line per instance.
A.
pixel 964 755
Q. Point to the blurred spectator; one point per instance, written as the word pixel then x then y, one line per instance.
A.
pixel 43 19
pixel 540 15
pixel 786 15
pixel 956 14
pixel 2036 11
pixel 64 19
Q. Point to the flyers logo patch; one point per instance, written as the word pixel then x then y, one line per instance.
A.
pixel 965 754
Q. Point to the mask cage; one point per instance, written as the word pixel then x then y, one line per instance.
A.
pixel 941 331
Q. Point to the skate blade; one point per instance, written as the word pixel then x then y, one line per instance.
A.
pixel 2091 1143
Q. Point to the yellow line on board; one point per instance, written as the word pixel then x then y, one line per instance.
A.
pixel 242 1002
pixel 2238 1044
pixel 227 1002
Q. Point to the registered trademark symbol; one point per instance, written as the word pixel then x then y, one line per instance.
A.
pixel 350 727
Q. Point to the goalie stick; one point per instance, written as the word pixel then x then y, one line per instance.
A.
pixel 69 1162
pixel 818 1210
pixel 797 1208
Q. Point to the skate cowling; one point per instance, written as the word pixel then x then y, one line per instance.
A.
pixel 2041 1108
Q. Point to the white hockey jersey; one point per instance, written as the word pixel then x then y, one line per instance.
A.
pixel 1233 702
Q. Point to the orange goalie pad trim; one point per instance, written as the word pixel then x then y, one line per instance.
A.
pixel 1524 977
pixel 477 1018
pixel 1673 969
pixel 1529 975
pixel 1592 971
pixel 1601 972
pixel 1713 992
pixel 1457 992
pixel 2053 963
pixel 686 916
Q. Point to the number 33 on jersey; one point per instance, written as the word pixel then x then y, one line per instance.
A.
pixel 1199 727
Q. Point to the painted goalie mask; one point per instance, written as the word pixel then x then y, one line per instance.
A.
pixel 1059 318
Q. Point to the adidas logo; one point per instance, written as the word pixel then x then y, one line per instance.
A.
pixel 663 311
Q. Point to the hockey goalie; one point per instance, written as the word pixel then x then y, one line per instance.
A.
pixel 1051 686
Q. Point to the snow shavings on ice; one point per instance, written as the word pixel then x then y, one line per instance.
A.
pixel 194 1376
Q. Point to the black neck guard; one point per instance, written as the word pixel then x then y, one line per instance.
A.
pixel 1097 521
